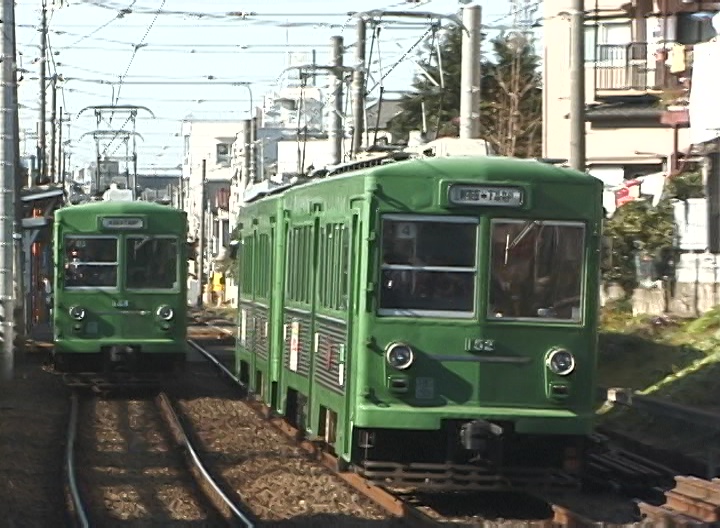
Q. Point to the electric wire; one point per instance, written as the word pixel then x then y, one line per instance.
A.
pixel 132 57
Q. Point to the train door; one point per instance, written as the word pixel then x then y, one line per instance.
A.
pixel 297 356
pixel 355 259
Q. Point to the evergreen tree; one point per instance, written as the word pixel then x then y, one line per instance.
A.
pixel 511 97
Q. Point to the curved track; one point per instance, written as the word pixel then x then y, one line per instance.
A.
pixel 234 514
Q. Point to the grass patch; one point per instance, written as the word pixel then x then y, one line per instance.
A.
pixel 674 360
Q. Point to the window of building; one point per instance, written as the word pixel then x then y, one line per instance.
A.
pixel 90 262
pixel 428 266
pixel 608 41
pixel 536 270
pixel 152 263
pixel 692 28
pixel 222 152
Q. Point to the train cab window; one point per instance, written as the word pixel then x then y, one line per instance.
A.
pixel 536 270
pixel 428 266
pixel 151 263
pixel 90 262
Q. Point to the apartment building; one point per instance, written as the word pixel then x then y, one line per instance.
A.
pixel 638 59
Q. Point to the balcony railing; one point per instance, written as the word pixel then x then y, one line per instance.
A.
pixel 631 68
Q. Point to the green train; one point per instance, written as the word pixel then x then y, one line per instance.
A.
pixel 120 287
pixel 431 321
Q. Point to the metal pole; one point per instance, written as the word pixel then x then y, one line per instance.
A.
pixel 253 175
pixel 470 74
pixel 246 139
pixel 577 86
pixel 53 126
pixel 359 88
pixel 22 318
pixel 42 159
pixel 201 238
pixel 58 170
pixel 335 133
pixel 8 111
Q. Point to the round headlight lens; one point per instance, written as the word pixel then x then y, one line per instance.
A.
pixel 561 362
pixel 165 313
pixel 399 356
pixel 77 313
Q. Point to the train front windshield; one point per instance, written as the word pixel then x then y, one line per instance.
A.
pixel 151 263
pixel 429 268
pixel 91 262
pixel 536 270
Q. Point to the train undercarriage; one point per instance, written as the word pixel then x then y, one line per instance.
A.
pixel 468 455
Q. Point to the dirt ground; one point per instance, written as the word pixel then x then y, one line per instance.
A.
pixel 33 417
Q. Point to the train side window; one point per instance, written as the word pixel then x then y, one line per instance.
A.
pixel 536 270
pixel 90 262
pixel 428 266
pixel 151 263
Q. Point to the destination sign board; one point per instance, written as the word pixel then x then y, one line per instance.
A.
pixel 123 222
pixel 495 196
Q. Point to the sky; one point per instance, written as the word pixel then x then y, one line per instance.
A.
pixel 155 45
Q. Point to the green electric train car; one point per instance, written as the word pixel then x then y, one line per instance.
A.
pixel 120 287
pixel 432 321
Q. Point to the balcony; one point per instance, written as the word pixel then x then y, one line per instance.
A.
pixel 632 69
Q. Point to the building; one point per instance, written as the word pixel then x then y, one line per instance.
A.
pixel 209 141
pixel 638 59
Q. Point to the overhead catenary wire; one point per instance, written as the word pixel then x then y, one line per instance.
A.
pixel 132 57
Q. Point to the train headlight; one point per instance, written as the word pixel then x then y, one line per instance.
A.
pixel 399 356
pixel 77 313
pixel 165 312
pixel 560 362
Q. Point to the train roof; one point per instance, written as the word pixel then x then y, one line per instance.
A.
pixel 471 168
pixel 119 208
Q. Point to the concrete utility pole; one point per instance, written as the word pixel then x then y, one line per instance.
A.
pixel 8 113
pixel 577 86
pixel 252 158
pixel 201 238
pixel 470 74
pixel 22 318
pixel 42 152
pixel 359 88
pixel 246 141
pixel 58 170
pixel 335 132
pixel 53 127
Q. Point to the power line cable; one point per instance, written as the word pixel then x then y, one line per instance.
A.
pixel 132 57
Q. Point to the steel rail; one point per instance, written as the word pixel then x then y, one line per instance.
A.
pixel 182 439
pixel 81 518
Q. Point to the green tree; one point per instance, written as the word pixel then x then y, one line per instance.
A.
pixel 511 95
pixel 442 106
pixel 639 227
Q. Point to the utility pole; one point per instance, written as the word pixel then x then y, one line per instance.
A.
pixel 335 133
pixel 252 158
pixel 8 165
pixel 53 126
pixel 470 74
pixel 577 86
pixel 201 238
pixel 58 169
pixel 246 141
pixel 21 318
pixel 42 159
pixel 359 88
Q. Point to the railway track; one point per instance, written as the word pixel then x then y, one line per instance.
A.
pixel 617 470
pixel 177 497
pixel 413 509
